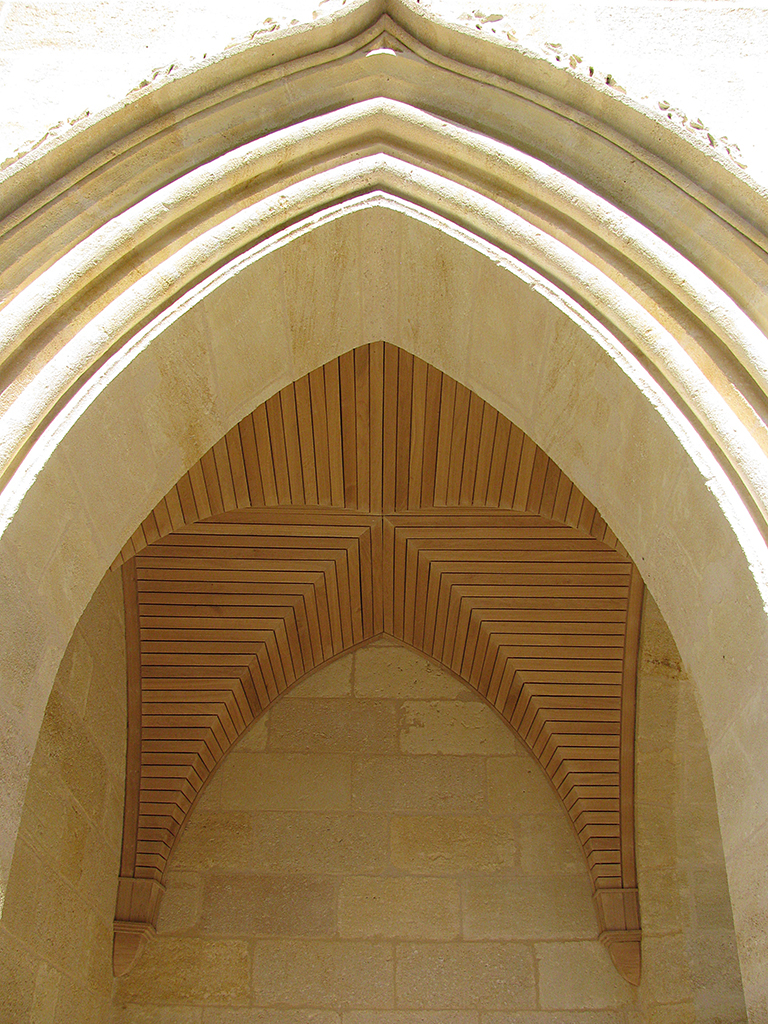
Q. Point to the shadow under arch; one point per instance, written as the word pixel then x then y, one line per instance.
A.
pixel 576 385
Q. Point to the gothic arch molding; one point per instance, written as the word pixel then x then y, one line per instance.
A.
pixel 644 256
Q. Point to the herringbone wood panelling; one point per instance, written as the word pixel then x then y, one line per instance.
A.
pixel 531 613
pixel 534 616
pixel 230 613
pixel 321 442
pixel 378 495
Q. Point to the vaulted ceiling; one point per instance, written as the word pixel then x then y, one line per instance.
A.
pixel 378 495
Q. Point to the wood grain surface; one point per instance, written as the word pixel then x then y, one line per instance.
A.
pixel 377 495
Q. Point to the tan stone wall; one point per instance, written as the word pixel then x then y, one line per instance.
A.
pixel 690 964
pixel 378 848
pixel 56 930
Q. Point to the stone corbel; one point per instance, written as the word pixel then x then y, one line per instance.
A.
pixel 618 915
pixel 138 902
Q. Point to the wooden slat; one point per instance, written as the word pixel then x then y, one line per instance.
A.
pixel 484 458
pixel 504 455
pixel 351 451
pixel 212 485
pixel 373 417
pixel 225 474
pixel 271 442
pixel 431 430
pixel 251 461
pixel 376 430
pixel 236 460
pixel 331 398
pixel 133 745
pixel 273 470
pixel 365 423
pixel 402 453
pixel 628 701
pixel 445 433
pixel 458 444
pixel 388 437
pixel 418 418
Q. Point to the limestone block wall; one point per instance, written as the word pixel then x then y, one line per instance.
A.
pixel 690 964
pixel 56 930
pixel 377 848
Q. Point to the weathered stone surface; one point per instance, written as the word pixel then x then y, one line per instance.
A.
pixel 520 788
pixel 552 1017
pixel 386 669
pixel 159 1014
pixel 67 745
pixel 331 680
pixel 265 1015
pixel 181 903
pixel 19 971
pixel 449 845
pixel 255 736
pixel 279 781
pixel 323 974
pixel 535 907
pixel 410 1017
pixel 190 969
pixel 674 1013
pixel 549 845
pixel 658 654
pixel 669 979
pixel 578 976
pixel 445 727
pixel 250 904
pixel 494 976
pixel 334 844
pixel 216 841
pixel 404 908
pixel 427 784
pixel 363 726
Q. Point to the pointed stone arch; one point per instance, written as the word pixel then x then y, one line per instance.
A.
pixel 118 241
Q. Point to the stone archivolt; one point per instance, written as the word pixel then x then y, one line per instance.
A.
pixel 647 253
pixel 376 495
pixel 170 215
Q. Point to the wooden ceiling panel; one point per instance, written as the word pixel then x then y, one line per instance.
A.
pixel 378 495
pixel 534 616
pixel 321 442
pixel 230 614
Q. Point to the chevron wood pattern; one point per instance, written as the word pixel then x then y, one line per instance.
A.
pixel 302 534
pixel 536 617
pixel 230 613
pixel 320 442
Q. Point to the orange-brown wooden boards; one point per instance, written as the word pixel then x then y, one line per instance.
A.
pixel 377 495
pixel 376 430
